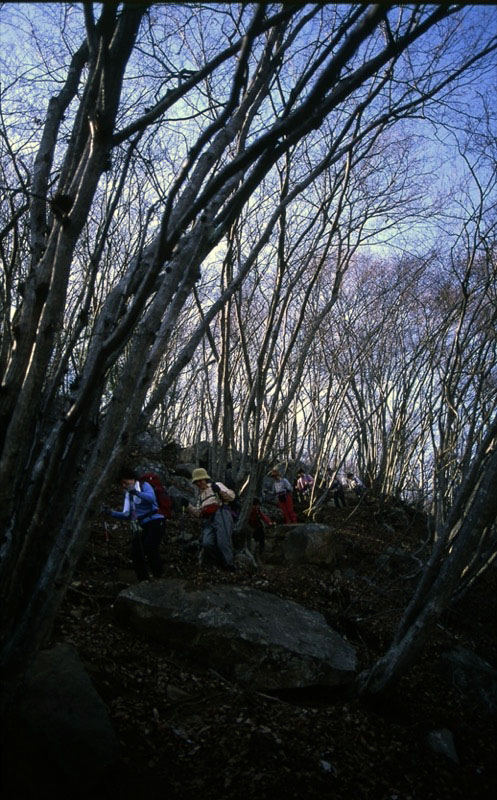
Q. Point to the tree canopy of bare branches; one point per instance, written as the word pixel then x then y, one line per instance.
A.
pixel 181 180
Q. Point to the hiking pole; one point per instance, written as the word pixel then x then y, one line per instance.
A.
pixel 107 542
pixel 184 505
pixel 107 537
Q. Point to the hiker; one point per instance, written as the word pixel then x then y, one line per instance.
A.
pixel 337 492
pixel 147 524
pixel 217 519
pixel 304 484
pixel 283 490
pixel 259 521
pixel 355 484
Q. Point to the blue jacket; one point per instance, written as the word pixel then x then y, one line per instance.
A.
pixel 139 505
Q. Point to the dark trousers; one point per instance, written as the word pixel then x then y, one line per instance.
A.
pixel 145 549
pixel 339 498
pixel 217 544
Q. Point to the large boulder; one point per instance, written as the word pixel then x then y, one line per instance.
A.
pixel 184 470
pixel 60 727
pixel 399 562
pixel 198 453
pixel 247 635
pixel 309 543
pixel 149 442
pixel 182 489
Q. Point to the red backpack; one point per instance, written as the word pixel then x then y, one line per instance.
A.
pixel 163 499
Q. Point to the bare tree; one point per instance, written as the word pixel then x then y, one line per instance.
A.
pixel 201 141
pixel 464 441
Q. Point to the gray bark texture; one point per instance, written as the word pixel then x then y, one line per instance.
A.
pixel 59 445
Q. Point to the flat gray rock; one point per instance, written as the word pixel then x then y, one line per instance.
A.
pixel 247 635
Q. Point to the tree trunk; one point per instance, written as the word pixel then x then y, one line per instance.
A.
pixel 479 512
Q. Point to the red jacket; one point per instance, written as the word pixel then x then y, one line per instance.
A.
pixel 257 516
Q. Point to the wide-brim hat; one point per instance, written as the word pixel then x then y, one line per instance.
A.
pixel 200 475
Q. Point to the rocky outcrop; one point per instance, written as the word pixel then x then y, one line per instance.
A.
pixel 182 488
pixel 149 442
pixel 184 469
pixel 310 543
pixel 198 453
pixel 247 635
pixel 59 726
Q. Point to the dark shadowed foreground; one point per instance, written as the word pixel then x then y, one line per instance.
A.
pixel 186 732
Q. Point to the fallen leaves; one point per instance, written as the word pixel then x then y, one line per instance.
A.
pixel 187 732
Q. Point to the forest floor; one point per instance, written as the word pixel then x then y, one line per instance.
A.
pixel 188 733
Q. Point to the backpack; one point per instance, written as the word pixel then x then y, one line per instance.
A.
pixel 234 505
pixel 164 501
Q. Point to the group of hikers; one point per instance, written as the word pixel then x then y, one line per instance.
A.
pixel 215 509
pixel 303 487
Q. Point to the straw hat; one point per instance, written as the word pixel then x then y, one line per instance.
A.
pixel 200 475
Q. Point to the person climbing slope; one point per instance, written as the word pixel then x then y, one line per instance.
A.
pixel 147 524
pixel 217 519
pixel 355 484
pixel 283 490
pixel 259 521
pixel 304 485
